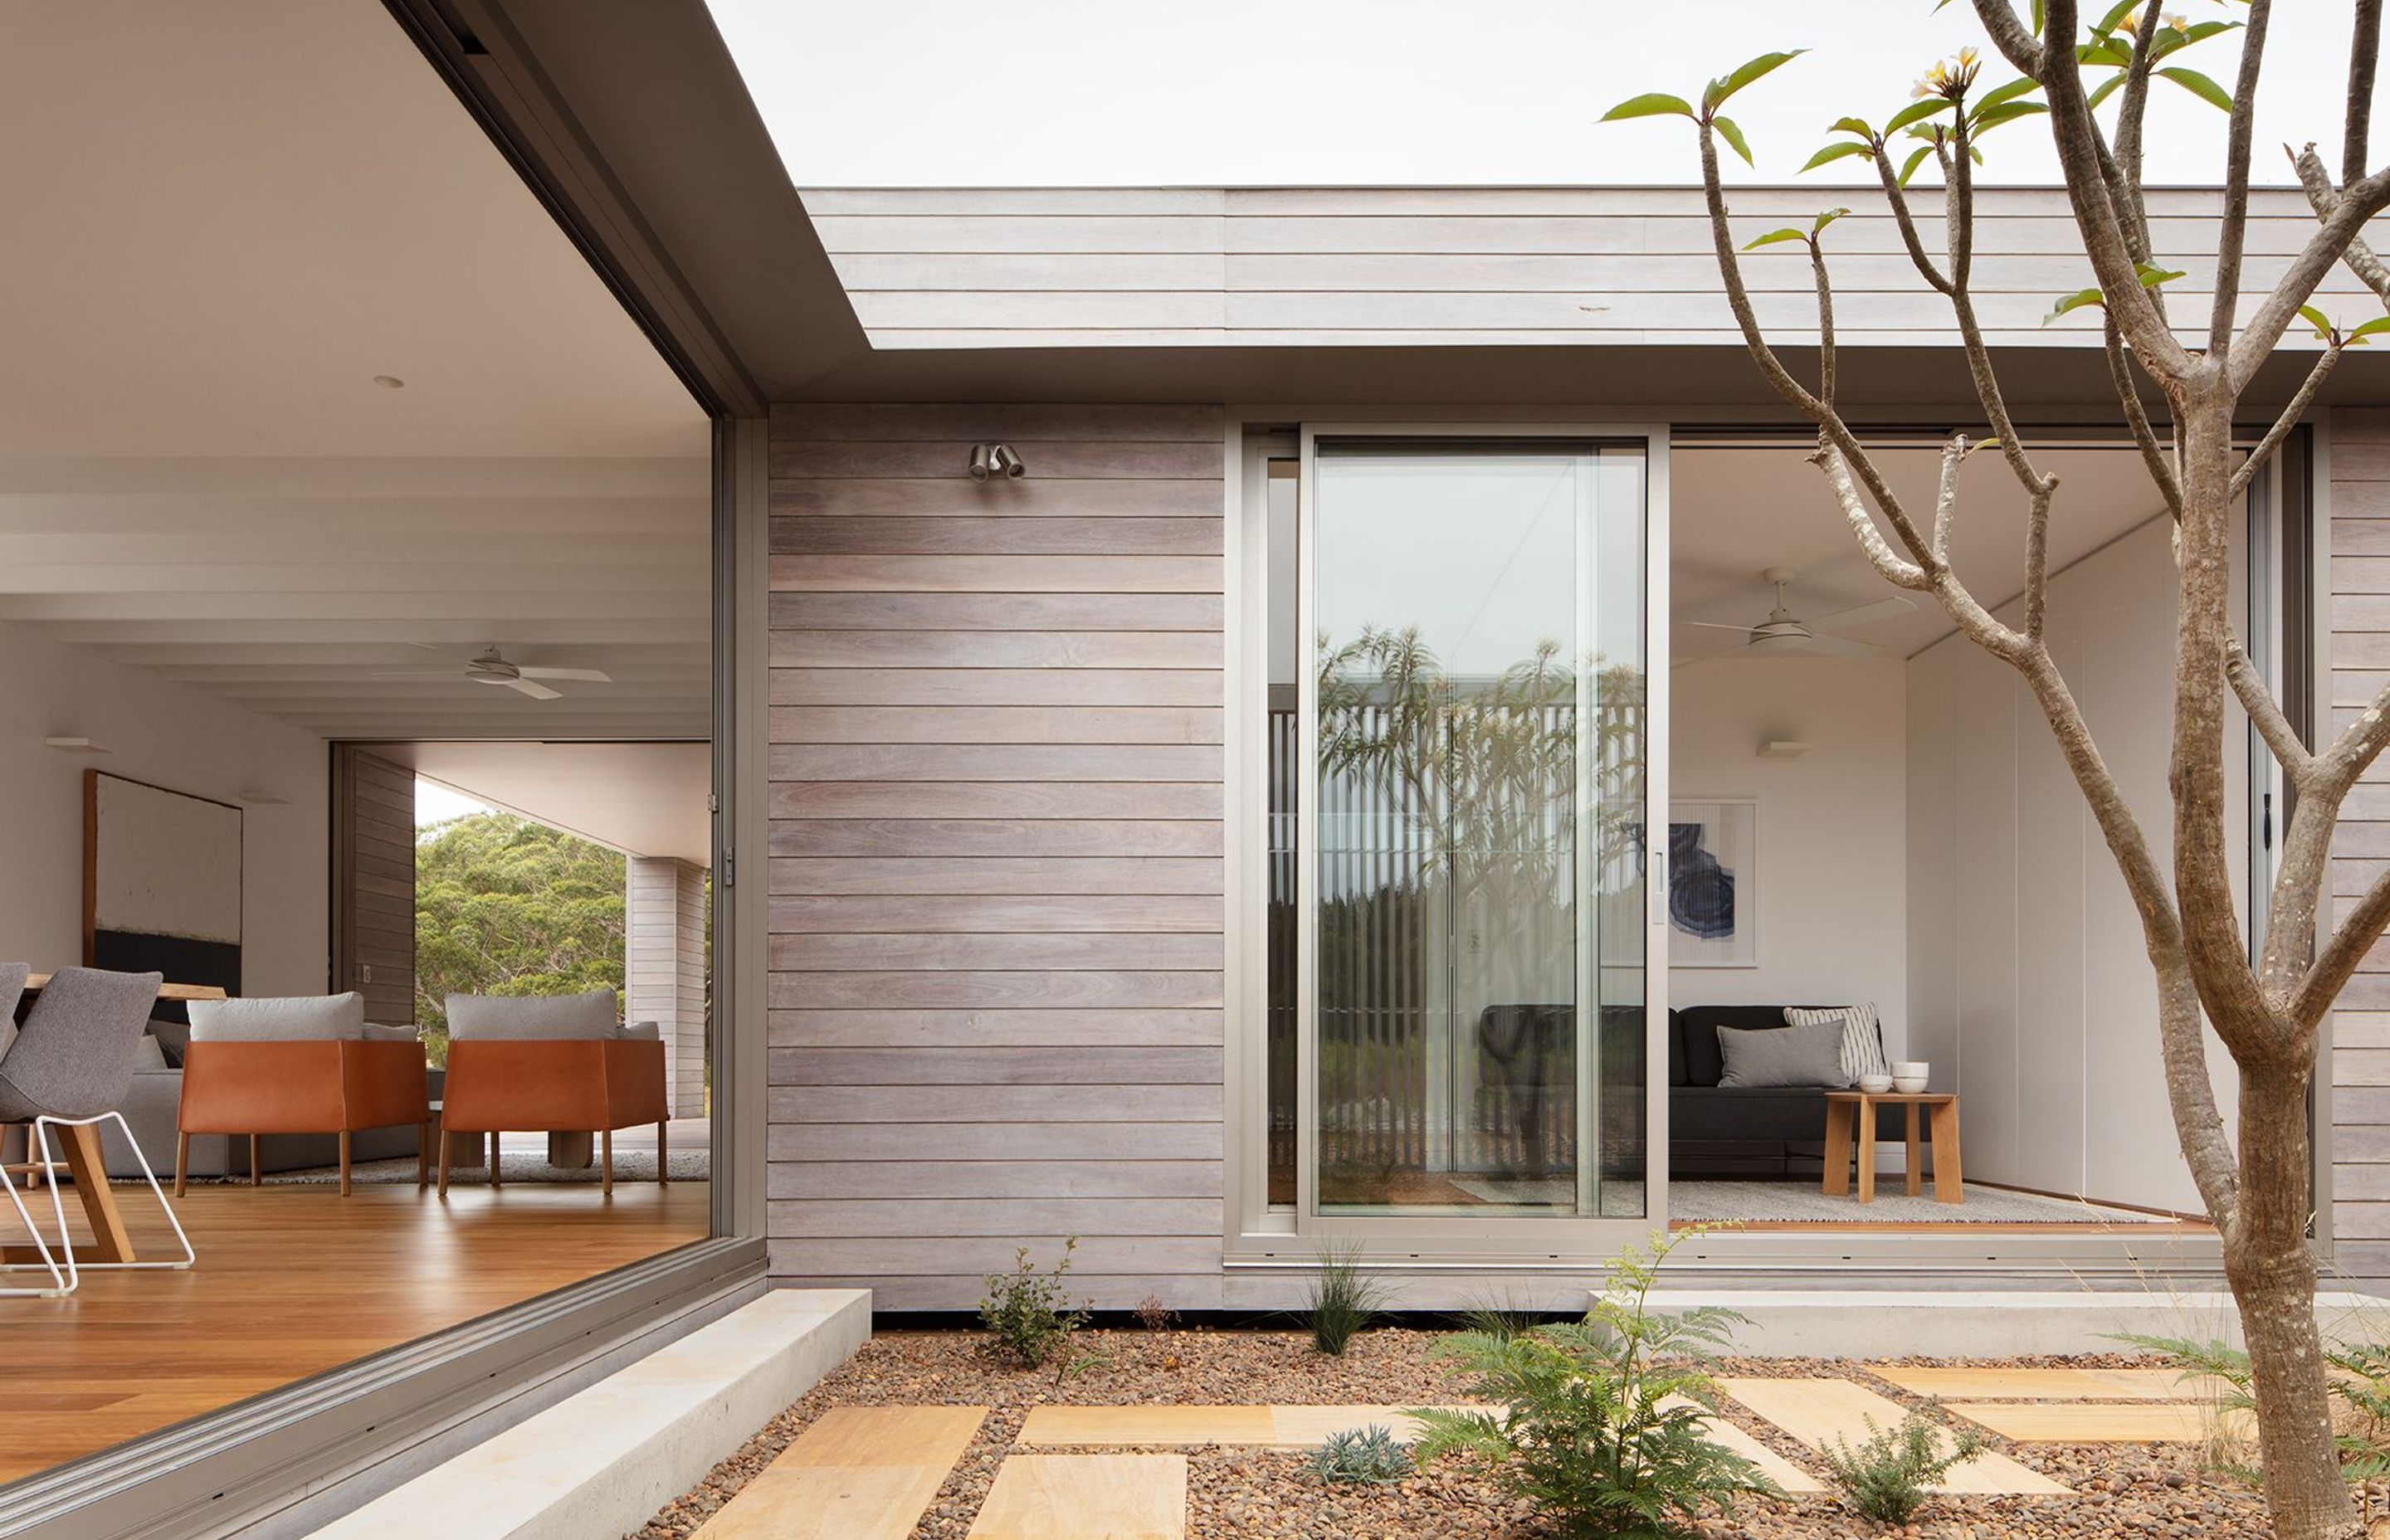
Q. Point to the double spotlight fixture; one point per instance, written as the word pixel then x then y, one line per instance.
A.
pixel 995 459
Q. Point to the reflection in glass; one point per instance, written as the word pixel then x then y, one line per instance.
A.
pixel 1479 762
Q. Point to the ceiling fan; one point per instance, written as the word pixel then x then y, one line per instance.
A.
pixel 490 668
pixel 1784 632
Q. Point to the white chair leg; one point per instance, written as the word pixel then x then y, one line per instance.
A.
pixel 189 1256
pixel 62 1280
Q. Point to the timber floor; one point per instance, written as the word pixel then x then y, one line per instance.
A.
pixel 292 1281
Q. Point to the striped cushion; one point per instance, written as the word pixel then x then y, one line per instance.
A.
pixel 1862 1037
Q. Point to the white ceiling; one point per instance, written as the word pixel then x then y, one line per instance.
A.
pixel 1736 510
pixel 643 799
pixel 225 220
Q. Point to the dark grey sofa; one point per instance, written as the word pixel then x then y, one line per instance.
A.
pixel 1737 1131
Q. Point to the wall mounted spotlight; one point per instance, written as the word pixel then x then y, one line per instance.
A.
pixel 988 459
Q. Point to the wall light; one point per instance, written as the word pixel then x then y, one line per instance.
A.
pixel 988 459
pixel 76 745
pixel 1782 748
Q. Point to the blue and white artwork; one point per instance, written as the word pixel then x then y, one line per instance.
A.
pixel 1712 884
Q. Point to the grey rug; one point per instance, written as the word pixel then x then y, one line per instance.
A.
pixel 526 1166
pixel 1763 1201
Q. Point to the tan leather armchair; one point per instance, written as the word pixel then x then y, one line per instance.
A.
pixel 554 1065
pixel 258 1067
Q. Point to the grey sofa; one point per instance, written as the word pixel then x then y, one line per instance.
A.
pixel 1741 1132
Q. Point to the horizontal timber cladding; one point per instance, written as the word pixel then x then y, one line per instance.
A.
pixel 996 870
pixel 2359 502
pixel 1064 267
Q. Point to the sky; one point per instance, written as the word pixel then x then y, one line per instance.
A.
pixel 435 803
pixel 1144 92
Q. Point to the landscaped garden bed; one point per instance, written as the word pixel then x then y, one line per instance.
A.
pixel 2149 1489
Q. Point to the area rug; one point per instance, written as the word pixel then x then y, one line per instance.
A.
pixel 1779 1202
pixel 525 1166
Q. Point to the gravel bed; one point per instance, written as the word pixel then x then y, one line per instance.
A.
pixel 2156 1491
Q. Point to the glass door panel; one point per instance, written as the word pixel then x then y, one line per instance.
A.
pixel 1475 740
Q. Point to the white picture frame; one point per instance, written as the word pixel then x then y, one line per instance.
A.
pixel 1713 874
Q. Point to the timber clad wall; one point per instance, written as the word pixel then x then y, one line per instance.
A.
pixel 665 959
pixel 996 850
pixel 2360 505
pixel 372 880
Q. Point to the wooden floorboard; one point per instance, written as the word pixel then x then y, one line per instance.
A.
pixel 292 1281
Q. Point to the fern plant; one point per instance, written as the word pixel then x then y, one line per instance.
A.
pixel 1603 1428
pixel 2229 1406
pixel 1343 1301
pixel 1367 1457
pixel 1885 1478
pixel 1029 1315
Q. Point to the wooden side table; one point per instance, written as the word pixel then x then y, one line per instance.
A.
pixel 1844 1109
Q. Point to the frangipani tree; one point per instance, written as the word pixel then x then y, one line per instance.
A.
pixel 2090 83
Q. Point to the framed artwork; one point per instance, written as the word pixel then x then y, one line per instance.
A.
pixel 1714 883
pixel 162 881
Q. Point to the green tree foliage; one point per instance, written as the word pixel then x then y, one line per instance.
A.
pixel 504 905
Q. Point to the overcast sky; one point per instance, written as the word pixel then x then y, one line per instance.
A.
pixel 992 93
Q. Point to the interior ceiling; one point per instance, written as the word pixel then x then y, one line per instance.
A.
pixel 240 215
pixel 1736 510
pixel 645 799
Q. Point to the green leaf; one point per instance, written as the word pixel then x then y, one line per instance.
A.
pixel 2104 52
pixel 2374 328
pixel 1852 125
pixel 1992 118
pixel 1733 136
pixel 2152 276
pixel 2116 17
pixel 1915 160
pixel 1651 104
pixel 2076 301
pixel 2200 32
pixel 2318 319
pixel 1826 218
pixel 1838 150
pixel 2021 85
pixel 1773 237
pixel 1719 90
pixel 1916 112
pixel 2106 88
pixel 2199 85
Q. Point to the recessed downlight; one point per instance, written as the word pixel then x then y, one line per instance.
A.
pixel 389 382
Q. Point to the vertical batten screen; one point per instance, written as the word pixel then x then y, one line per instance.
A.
pixel 1475 630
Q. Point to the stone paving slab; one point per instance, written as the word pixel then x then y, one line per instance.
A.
pixel 1775 1466
pixel 854 1473
pixel 1085 1497
pixel 2048 1384
pixel 1818 1411
pixel 1256 1427
pixel 2081 1422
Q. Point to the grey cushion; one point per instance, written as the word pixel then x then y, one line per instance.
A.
pixel 531 1016
pixel 376 1032
pixel 642 1031
pixel 292 1019
pixel 149 1054
pixel 1783 1056
pixel 173 1037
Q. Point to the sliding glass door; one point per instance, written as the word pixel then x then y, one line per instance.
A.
pixel 1470 982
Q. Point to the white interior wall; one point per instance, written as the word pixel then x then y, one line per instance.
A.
pixel 2026 969
pixel 171 737
pixel 1833 829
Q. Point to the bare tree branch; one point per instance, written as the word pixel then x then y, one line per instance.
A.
pixel 2131 115
pixel 2353 752
pixel 2154 453
pixel 2016 45
pixel 2364 53
pixel 2338 960
pixel 2037 561
pixel 2258 701
pixel 1898 196
pixel 2233 235
pixel 1945 501
pixel 2358 202
pixel 2359 257
pixel 1825 321
pixel 2289 418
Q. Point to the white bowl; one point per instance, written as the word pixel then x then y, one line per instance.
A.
pixel 1909 1067
pixel 1908 1086
pixel 1875 1084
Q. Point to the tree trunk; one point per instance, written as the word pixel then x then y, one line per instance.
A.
pixel 2267 1260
